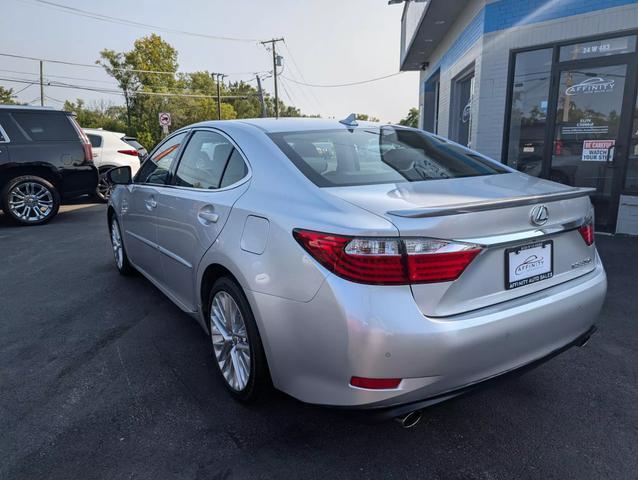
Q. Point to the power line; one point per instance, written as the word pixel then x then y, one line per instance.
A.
pixel 123 21
pixel 138 92
pixel 23 89
pixel 61 76
pixel 303 90
pixel 89 65
pixel 344 84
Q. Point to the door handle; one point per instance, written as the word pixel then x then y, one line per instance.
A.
pixel 151 203
pixel 208 217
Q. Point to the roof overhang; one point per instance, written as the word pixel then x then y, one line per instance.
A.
pixel 434 24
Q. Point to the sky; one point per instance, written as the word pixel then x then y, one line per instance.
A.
pixel 326 42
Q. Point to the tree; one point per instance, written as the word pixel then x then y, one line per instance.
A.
pixel 6 96
pixel 365 117
pixel 98 115
pixel 148 78
pixel 412 120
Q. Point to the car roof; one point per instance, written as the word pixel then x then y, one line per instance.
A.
pixel 30 108
pixel 275 125
pixel 99 130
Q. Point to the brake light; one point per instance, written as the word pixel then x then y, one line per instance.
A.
pixel 86 144
pixel 375 383
pixel 129 152
pixel 388 261
pixel 587 232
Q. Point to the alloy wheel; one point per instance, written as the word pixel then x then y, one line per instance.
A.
pixel 30 202
pixel 104 187
pixel 116 242
pixel 230 340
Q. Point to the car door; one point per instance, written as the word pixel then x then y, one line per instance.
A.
pixel 210 177
pixel 140 209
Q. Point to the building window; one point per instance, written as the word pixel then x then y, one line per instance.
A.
pixel 528 115
pixel 598 48
pixel 431 104
pixel 461 120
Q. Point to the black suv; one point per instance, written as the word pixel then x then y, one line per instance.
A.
pixel 44 156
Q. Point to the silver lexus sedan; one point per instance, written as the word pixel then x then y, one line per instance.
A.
pixel 358 264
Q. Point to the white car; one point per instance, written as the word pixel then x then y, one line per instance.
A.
pixel 110 150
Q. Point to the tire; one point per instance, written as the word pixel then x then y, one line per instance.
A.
pixel 224 292
pixel 30 200
pixel 119 251
pixel 104 188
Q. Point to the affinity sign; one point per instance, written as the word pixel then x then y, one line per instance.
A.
pixel 591 85
pixel 598 150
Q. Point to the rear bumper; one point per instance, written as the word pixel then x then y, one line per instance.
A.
pixel 386 413
pixel 347 329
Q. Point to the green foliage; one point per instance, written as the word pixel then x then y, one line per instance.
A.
pixel 367 118
pixel 189 98
pixel 412 120
pixel 6 96
pixel 98 115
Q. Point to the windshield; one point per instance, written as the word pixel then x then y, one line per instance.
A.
pixel 366 156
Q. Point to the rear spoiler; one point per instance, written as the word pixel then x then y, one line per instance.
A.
pixel 495 204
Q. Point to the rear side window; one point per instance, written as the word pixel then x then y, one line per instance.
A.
pixel 210 161
pixel 40 126
pixel 96 140
pixel 366 156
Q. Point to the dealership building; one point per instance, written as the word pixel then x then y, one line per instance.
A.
pixel 547 86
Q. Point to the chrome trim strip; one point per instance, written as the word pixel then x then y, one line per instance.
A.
pixel 175 257
pixel 141 239
pixel 486 205
pixel 155 246
pixel 518 237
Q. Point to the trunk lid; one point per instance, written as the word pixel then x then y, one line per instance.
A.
pixel 492 211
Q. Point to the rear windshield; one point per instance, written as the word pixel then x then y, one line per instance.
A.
pixel 40 126
pixel 366 156
pixel 133 143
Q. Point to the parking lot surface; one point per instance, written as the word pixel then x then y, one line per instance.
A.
pixel 101 376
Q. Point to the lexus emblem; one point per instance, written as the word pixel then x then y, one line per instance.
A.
pixel 539 215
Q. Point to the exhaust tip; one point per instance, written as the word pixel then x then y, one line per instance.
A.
pixel 410 420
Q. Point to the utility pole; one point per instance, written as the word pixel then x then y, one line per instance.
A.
pixel 264 112
pixel 41 84
pixel 219 95
pixel 275 61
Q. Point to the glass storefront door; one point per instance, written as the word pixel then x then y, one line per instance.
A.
pixel 573 117
pixel 587 133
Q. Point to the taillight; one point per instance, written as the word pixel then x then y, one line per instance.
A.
pixel 587 232
pixel 86 144
pixel 388 261
pixel 129 152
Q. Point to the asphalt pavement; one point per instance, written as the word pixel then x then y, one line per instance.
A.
pixel 103 377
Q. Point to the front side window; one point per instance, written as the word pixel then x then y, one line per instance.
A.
pixel 204 161
pixel 366 156
pixel 156 168
pixel 528 115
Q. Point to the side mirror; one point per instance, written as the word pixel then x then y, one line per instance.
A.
pixel 119 176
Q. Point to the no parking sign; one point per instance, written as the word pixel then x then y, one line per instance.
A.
pixel 165 119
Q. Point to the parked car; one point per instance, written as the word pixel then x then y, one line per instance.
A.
pixel 44 156
pixel 387 284
pixel 110 150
